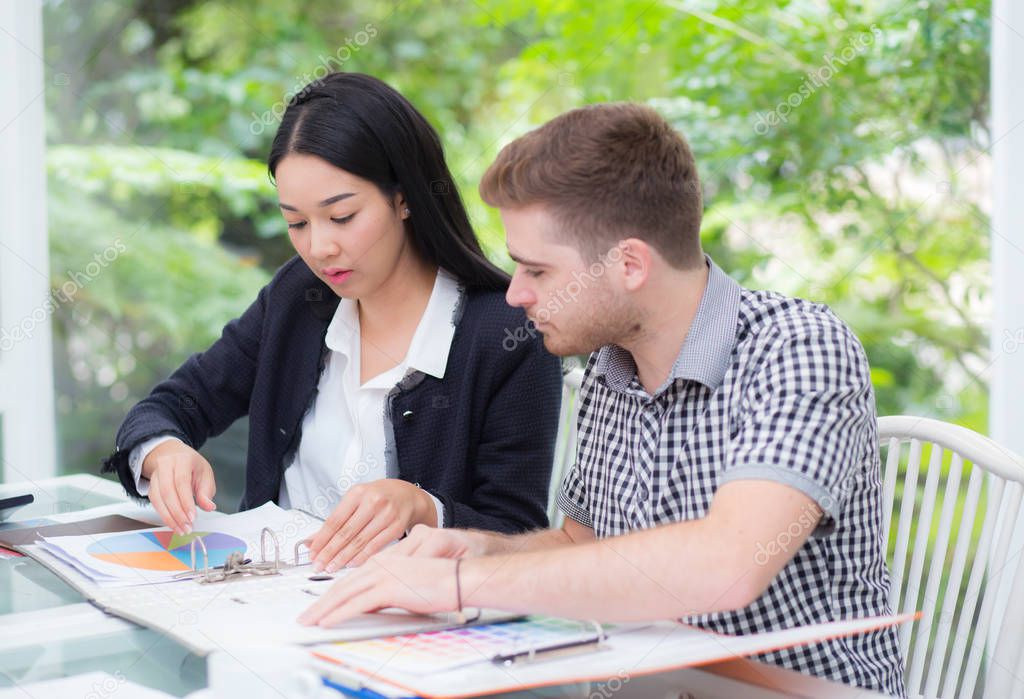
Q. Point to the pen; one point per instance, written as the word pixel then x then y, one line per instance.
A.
pixel 353 684
pixel 547 652
pixel 360 693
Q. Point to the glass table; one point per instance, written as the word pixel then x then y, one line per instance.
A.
pixel 48 630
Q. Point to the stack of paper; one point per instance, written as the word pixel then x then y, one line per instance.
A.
pixel 440 665
pixel 158 555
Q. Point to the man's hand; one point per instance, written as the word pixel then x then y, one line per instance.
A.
pixel 467 543
pixel 420 585
pixel 179 477
pixel 751 532
pixel 368 518
pixel 429 542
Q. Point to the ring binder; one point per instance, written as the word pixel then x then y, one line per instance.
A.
pixel 236 565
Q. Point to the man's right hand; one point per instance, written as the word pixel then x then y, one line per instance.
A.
pixel 179 478
pixel 424 541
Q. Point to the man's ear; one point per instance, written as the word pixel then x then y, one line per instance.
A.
pixel 635 262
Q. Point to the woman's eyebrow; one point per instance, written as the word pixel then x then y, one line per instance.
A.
pixel 326 202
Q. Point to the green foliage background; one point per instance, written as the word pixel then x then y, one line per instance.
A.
pixel 868 196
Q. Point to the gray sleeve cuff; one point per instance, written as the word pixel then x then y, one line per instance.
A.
pixel 573 510
pixel 794 479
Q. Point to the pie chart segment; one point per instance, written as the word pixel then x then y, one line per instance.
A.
pixel 164 550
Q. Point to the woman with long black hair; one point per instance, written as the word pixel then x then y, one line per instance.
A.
pixel 375 368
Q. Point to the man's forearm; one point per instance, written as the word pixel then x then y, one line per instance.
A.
pixel 662 573
pixel 698 566
pixel 542 540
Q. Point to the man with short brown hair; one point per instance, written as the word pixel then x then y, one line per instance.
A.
pixel 727 470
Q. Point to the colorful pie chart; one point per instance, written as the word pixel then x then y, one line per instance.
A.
pixel 165 550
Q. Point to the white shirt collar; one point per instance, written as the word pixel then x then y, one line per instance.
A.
pixel 432 341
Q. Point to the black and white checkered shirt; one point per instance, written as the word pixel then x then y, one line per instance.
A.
pixel 766 388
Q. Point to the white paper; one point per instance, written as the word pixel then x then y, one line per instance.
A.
pixel 126 558
pixel 658 648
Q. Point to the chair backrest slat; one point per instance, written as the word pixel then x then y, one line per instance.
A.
pixel 997 571
pixel 950 594
pixel 892 468
pixel 906 519
pixel 965 622
pixel 959 586
pixel 924 521
pixel 931 591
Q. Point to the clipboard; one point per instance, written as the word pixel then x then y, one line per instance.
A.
pixel 658 648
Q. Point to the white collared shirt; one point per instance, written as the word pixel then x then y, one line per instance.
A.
pixel 343 433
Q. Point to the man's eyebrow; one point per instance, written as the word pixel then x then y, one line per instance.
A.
pixel 326 202
pixel 528 263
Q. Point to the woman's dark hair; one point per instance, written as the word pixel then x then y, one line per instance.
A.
pixel 361 125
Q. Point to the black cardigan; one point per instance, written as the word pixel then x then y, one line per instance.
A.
pixel 481 440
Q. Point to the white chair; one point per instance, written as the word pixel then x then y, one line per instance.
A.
pixel 565 446
pixel 960 625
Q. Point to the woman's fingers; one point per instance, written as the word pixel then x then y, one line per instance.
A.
pixel 183 487
pixel 156 500
pixel 176 501
pixel 163 486
pixel 334 522
pixel 359 519
pixel 205 487
pixel 359 554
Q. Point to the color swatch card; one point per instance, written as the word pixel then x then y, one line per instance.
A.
pixel 445 650
pixel 658 647
pixel 159 555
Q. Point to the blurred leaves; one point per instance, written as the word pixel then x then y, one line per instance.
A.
pixel 843 148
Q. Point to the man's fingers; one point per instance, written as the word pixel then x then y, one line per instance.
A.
pixel 353 526
pixel 407 546
pixel 363 603
pixel 339 593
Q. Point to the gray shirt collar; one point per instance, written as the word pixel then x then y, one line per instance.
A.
pixel 707 352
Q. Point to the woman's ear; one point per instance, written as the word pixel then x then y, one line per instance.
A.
pixel 401 206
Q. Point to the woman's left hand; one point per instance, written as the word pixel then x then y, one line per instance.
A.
pixel 368 518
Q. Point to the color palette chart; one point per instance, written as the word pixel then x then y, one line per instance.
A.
pixel 437 651
pixel 164 550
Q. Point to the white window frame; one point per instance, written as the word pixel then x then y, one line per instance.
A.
pixel 26 353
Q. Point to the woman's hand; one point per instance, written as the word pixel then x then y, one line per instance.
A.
pixel 368 518
pixel 179 477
